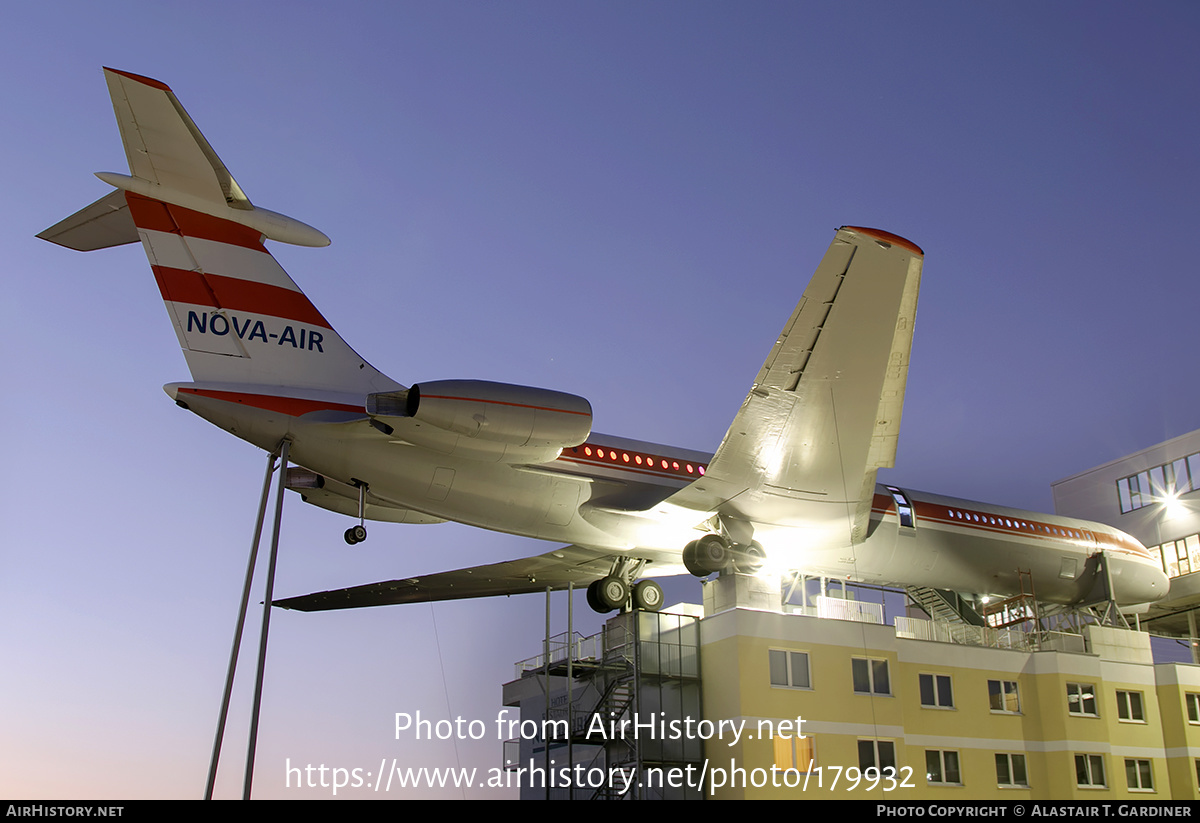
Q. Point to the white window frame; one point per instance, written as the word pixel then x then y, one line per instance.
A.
pixel 792 750
pixel 1137 764
pixel 873 688
pixel 1003 693
pixel 944 757
pixel 1082 693
pixel 1126 701
pixel 789 662
pixel 874 765
pixel 934 680
pixel 1192 705
pixel 1092 763
pixel 1009 759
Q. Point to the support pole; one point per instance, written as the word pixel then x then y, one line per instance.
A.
pixel 266 620
pixel 570 683
pixel 1195 650
pixel 1112 613
pixel 237 634
pixel 546 660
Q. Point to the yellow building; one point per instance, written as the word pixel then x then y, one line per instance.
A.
pixel 1081 718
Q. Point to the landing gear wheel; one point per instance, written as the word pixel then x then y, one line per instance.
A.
pixel 750 558
pixel 350 538
pixel 593 598
pixel 647 596
pixel 712 553
pixel 690 561
pixel 612 592
pixel 360 534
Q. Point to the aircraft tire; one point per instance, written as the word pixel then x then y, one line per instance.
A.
pixel 647 596
pixel 690 561
pixel 750 558
pixel 612 592
pixel 593 598
pixel 349 536
pixel 712 553
pixel 360 534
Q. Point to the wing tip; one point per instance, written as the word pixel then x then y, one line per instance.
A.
pixel 149 81
pixel 888 237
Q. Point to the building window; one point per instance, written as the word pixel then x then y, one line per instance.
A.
pixel 1129 707
pixel 1139 775
pixel 942 767
pixel 1178 557
pixel 1161 482
pixel 797 754
pixel 1089 771
pixel 936 692
pixel 1081 700
pixel 1193 707
pixel 870 676
pixel 789 669
pixel 1010 771
pixel 874 755
pixel 1003 696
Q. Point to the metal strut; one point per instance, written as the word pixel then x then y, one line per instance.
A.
pixel 282 454
pixel 266 619
pixel 1111 616
pixel 237 633
pixel 358 534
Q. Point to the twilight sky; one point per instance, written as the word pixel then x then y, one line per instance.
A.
pixel 618 200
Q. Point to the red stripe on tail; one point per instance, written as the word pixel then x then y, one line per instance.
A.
pixel 155 215
pixel 220 292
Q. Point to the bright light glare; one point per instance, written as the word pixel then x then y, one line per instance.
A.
pixel 1173 507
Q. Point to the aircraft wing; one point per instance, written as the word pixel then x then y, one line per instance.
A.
pixel 824 411
pixel 555 569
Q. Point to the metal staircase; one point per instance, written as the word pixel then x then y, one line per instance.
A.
pixel 949 609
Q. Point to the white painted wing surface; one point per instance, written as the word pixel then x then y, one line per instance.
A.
pixel 824 411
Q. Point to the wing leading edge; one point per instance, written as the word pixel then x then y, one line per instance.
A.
pixel 555 569
pixel 823 414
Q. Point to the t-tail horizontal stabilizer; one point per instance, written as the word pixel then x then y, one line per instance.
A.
pixel 239 317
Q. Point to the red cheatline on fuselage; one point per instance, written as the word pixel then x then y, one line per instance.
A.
pixel 291 406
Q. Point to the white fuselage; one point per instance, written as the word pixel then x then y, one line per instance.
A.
pixel 602 494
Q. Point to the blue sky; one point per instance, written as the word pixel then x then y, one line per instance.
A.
pixel 619 200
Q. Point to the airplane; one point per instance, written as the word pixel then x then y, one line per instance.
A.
pixel 792 485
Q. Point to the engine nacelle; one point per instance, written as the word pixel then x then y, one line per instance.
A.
pixel 493 421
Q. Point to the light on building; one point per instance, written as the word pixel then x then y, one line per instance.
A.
pixel 1173 507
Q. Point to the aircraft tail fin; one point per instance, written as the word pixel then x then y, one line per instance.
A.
pixel 238 315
